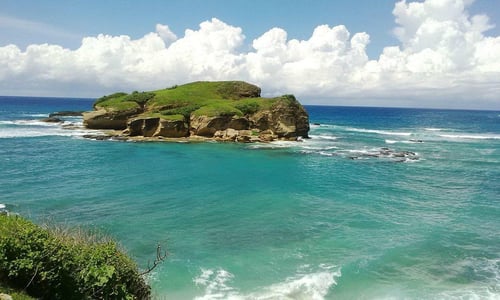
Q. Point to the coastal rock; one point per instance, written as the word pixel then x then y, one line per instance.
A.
pixel 239 123
pixel 108 119
pixel 387 153
pixel 172 128
pixel 286 119
pixel 207 126
pixel 155 126
pixel 233 135
pixel 289 118
pixel 229 134
pixel 226 111
pixel 66 113
pixel 51 120
pixel 100 137
pixel 267 136
pixel 248 136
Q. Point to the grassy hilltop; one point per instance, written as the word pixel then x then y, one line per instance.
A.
pixel 197 98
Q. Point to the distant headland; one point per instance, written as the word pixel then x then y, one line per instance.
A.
pixel 222 111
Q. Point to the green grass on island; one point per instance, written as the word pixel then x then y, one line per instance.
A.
pixel 234 98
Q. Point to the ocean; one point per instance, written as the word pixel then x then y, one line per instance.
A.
pixel 380 203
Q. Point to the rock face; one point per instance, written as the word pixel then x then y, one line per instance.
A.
pixel 155 127
pixel 286 119
pixel 108 119
pixel 237 114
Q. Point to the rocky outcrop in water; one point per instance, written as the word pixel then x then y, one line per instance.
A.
pixel 223 111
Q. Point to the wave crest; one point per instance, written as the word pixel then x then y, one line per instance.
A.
pixel 314 286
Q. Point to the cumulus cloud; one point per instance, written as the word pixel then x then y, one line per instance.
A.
pixel 443 54
pixel 166 34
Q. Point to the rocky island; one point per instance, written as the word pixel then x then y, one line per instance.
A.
pixel 221 111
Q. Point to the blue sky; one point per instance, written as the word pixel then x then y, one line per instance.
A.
pixel 72 20
pixel 66 23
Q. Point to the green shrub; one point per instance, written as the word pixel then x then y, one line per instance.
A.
pixel 139 98
pixel 109 97
pixel 248 108
pixel 218 109
pixel 182 110
pixel 55 265
pixel 223 98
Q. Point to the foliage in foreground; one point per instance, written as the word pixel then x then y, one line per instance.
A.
pixel 57 265
pixel 15 294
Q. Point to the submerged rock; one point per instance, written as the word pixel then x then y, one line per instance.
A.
pixel 66 114
pixel 52 120
pixel 387 153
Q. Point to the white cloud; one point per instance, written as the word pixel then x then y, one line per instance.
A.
pixel 443 55
pixel 166 34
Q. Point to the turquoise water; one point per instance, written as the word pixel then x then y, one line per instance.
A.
pixel 378 204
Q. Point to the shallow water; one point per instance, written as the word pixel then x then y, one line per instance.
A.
pixel 378 204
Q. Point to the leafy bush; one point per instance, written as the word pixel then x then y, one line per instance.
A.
pixel 109 97
pixel 182 110
pixel 248 108
pixel 52 265
pixel 237 90
pixel 139 98
pixel 218 109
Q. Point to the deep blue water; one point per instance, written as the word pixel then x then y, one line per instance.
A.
pixel 380 203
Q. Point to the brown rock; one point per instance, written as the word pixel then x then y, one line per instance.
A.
pixel 51 120
pixel 157 127
pixel 108 119
pixel 289 118
pixel 207 126
pixel 174 129
pixel 239 123
pixel 267 136
pixel 228 135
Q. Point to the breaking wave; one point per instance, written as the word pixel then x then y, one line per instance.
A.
pixel 37 128
pixel 315 286
pixel 324 137
pixel 375 131
pixel 471 136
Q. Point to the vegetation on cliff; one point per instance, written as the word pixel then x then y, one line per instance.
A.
pixel 55 264
pixel 202 109
pixel 200 98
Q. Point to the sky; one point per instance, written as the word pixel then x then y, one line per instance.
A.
pixel 426 53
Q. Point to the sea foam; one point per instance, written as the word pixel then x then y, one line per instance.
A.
pixel 375 131
pixel 471 136
pixel 314 286
pixel 37 128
